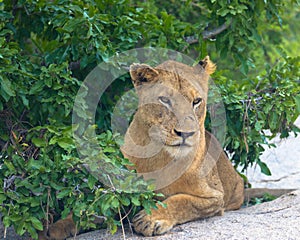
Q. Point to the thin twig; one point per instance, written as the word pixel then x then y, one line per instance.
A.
pixel 47 209
pixel 120 215
pixel 121 221
pixel 76 230
pixel 244 124
pixel 126 216
pixel 112 185
pixel 5 228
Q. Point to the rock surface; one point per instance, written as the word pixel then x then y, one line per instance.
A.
pixel 278 219
pixel 284 163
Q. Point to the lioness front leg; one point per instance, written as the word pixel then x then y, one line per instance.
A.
pixel 180 208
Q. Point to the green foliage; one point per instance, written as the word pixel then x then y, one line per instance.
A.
pixel 56 181
pixel 266 198
pixel 47 48
pixel 260 108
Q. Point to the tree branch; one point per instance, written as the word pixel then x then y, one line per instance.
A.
pixel 208 34
pixel 191 39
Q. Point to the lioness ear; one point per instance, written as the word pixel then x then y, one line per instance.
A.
pixel 141 73
pixel 208 66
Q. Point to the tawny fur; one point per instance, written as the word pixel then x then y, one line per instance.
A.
pixel 60 230
pixel 193 195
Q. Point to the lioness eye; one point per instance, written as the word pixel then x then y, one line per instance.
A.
pixel 197 101
pixel 165 100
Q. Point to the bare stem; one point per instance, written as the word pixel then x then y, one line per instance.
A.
pixel 208 34
pixel 121 221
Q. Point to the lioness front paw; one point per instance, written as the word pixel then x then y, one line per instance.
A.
pixel 150 225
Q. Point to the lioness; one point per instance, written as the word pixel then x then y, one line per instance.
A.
pixel 168 127
pixel 167 142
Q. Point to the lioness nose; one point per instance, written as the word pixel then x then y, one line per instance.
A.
pixel 184 135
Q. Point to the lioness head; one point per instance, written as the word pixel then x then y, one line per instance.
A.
pixel 172 104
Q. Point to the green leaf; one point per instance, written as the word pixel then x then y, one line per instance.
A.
pixel 259 125
pixel 264 168
pixel 273 120
pixel 115 203
pixel 32 164
pixel 25 101
pixel 56 186
pixel 109 150
pixel 39 142
pixel 2 198
pixel 31 230
pixel 113 229
pixel 297 101
pixel 136 201
pixel 7 87
pixel 36 88
pixel 10 167
pixel 63 193
pixel 20 229
pixel 66 143
pixel 37 224
pixel 91 181
pixel 6 221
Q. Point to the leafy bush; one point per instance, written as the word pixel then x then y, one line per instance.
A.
pixel 47 48
pixel 259 109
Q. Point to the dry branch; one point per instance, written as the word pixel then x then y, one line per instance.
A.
pixel 208 34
